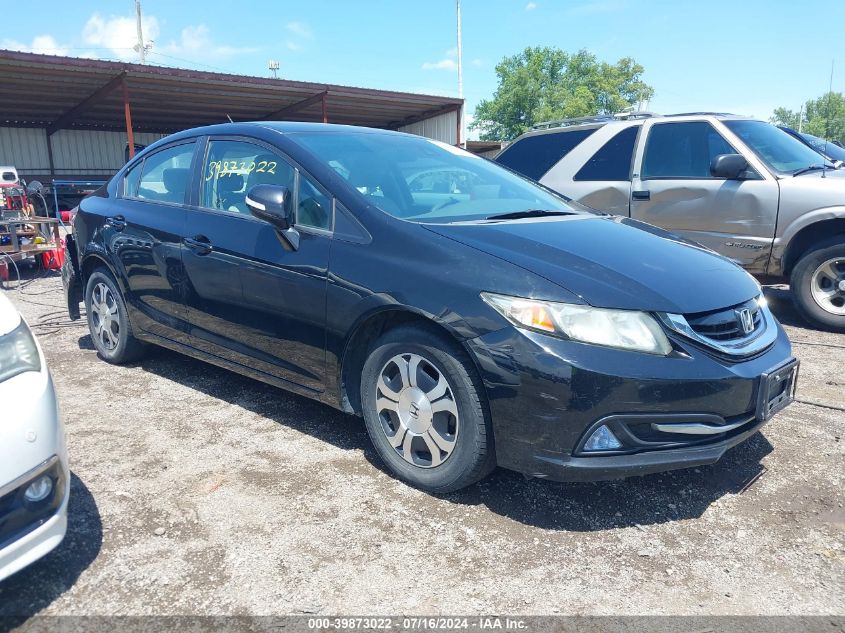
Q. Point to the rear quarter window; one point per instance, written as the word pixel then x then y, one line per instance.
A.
pixel 534 156
pixel 613 161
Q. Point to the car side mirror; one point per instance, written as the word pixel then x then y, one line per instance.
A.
pixel 730 166
pixel 270 203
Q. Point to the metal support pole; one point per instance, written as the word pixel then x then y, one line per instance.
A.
pixel 325 108
pixel 127 113
pixel 50 154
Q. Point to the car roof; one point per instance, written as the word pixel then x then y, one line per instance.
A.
pixel 601 120
pixel 282 127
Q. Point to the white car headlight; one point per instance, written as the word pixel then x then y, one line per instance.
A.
pixel 622 329
pixel 18 353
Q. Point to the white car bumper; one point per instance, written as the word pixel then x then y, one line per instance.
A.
pixel 32 443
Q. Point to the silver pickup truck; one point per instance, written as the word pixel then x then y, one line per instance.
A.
pixel 741 187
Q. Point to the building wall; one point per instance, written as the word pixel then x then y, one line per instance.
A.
pixel 443 127
pixel 75 152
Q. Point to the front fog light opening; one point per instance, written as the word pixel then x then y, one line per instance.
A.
pixel 39 489
pixel 602 439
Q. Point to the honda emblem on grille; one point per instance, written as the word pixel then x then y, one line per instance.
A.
pixel 746 320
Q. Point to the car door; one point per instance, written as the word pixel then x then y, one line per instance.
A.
pixel 253 299
pixel 672 188
pixel 144 232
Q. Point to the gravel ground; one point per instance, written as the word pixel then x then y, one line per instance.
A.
pixel 198 491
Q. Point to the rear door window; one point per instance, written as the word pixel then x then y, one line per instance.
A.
pixel 613 160
pixel 166 174
pixel 534 156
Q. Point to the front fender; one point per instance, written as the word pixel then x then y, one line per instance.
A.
pixel 781 244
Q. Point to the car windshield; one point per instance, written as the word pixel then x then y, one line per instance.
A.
pixel 419 179
pixel 825 147
pixel 783 153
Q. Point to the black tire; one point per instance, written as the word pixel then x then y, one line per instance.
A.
pixel 800 283
pixel 472 457
pixel 127 347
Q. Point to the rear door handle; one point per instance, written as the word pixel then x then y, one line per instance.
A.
pixel 641 195
pixel 118 222
pixel 200 243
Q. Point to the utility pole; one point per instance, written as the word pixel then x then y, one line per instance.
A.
pixel 462 139
pixel 800 118
pixel 142 50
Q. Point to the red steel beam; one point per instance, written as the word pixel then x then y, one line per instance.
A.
pixel 127 114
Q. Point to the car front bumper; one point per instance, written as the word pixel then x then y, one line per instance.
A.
pixel 548 395
pixel 32 444
pixel 29 534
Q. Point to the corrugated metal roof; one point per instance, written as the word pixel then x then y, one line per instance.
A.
pixel 46 90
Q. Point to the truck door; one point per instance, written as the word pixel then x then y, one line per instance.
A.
pixel 671 187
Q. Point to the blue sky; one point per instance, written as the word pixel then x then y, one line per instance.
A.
pixel 746 56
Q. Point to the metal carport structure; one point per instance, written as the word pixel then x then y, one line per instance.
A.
pixel 52 94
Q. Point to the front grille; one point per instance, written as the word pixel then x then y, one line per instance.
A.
pixel 725 325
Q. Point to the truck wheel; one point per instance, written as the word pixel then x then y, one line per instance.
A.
pixel 108 321
pixel 424 410
pixel 818 285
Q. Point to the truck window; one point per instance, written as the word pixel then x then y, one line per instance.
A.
pixel 535 155
pixel 613 160
pixel 682 150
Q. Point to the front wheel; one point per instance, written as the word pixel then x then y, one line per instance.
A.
pixel 818 285
pixel 424 410
pixel 108 321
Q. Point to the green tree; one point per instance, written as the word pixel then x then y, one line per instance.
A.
pixel 824 117
pixel 546 83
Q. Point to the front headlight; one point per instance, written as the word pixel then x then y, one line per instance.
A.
pixel 622 329
pixel 18 353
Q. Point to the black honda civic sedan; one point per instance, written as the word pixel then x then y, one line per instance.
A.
pixel 472 317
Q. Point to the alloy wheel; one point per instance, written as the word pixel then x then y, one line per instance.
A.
pixel 417 410
pixel 104 316
pixel 828 286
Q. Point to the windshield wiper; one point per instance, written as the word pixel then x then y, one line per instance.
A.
pixel 810 168
pixel 530 213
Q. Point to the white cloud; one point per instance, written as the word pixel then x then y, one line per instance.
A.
pixel 447 63
pixel 300 29
pixel 118 34
pixel 443 64
pixel 299 33
pixel 195 40
pixel 44 44
pixel 530 6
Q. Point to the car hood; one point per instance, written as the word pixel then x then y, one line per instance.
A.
pixel 810 191
pixel 612 262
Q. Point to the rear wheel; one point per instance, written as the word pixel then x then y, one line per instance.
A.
pixel 108 321
pixel 424 411
pixel 818 285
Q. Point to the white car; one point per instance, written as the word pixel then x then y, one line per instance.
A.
pixel 34 476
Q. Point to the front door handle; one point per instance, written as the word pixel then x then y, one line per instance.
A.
pixel 200 243
pixel 117 222
pixel 641 195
